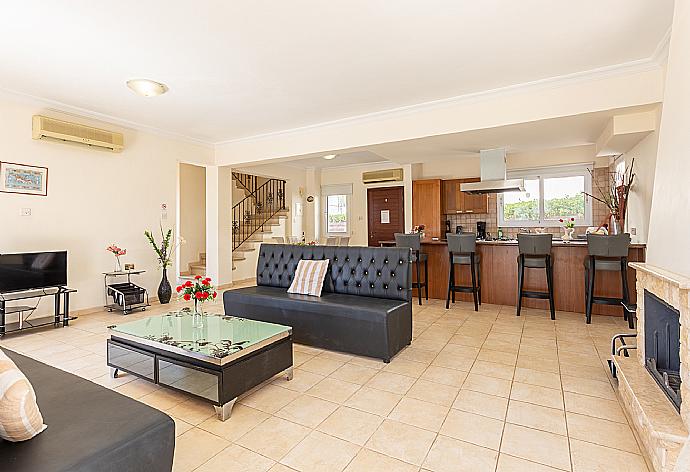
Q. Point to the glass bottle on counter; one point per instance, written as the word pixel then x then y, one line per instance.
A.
pixel 500 233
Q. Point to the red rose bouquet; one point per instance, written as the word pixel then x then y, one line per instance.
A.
pixel 200 290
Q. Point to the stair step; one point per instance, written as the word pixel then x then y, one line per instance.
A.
pixel 245 249
pixel 238 257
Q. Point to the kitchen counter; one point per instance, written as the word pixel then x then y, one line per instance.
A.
pixel 499 275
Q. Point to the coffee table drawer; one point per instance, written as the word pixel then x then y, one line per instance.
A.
pixel 131 359
pixel 195 380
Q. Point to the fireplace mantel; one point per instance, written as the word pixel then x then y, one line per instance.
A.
pixel 680 281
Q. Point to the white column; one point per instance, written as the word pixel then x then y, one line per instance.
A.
pixel 312 210
pixel 219 224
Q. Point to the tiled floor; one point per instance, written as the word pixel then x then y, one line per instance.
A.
pixel 474 392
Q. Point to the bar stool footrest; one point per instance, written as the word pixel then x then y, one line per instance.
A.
pixel 607 300
pixel 531 294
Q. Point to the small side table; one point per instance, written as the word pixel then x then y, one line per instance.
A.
pixel 126 296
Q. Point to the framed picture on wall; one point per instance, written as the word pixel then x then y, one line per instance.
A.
pixel 22 178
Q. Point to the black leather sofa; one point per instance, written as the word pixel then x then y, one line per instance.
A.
pixel 90 428
pixel 365 307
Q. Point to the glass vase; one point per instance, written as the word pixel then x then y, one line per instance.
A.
pixel 568 234
pixel 198 315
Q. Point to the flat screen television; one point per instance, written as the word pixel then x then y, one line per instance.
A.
pixel 32 270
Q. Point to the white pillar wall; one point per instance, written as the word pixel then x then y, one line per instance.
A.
pixel 312 210
pixel 219 224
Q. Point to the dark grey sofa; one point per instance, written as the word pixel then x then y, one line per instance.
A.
pixel 90 428
pixel 365 307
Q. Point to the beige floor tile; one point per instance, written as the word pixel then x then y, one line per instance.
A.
pixel 481 404
pixel 508 463
pixel 594 388
pixel 452 361
pixel 585 372
pixel 333 390
pixel 543 396
pixel 274 438
pixel 537 446
pixel 370 461
pixel 137 388
pixel 499 357
pixel 370 362
pixel 389 382
pixel 307 410
pixel 181 427
pixel 354 373
pixel 373 401
pixel 444 375
pixel 302 380
pixel 536 377
pixel 195 447
pixel 193 411
pixel 433 392
pixel 492 369
pixel 475 429
pixel 401 441
pixel 451 455
pixel 242 460
pixel 536 363
pixel 537 417
pixel 241 421
pixel 472 341
pixel 409 368
pixel 320 452
pixel 322 365
pixel 351 425
pixel 163 399
pixel 278 467
pixel 602 432
pixel 269 398
pixel 589 457
pixel 489 385
pixel 415 354
pixel 419 413
pixel 593 406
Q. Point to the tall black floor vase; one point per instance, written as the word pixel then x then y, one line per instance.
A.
pixel 164 289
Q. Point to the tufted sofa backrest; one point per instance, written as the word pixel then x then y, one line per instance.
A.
pixel 356 270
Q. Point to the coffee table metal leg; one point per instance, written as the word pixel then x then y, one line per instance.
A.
pixel 224 410
pixel 288 374
pixel 113 373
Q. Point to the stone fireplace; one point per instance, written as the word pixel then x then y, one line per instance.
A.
pixel 654 380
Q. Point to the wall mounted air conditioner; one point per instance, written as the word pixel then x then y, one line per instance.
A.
pixel 379 176
pixel 44 127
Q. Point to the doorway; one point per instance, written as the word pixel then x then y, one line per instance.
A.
pixel 385 213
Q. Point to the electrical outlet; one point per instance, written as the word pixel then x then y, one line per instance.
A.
pixel 26 212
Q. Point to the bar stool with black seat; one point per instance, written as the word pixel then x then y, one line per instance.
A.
pixel 462 250
pixel 607 253
pixel 414 242
pixel 535 253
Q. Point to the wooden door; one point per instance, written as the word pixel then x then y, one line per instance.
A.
pixel 385 213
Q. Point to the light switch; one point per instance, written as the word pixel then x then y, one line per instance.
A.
pixel 633 231
pixel 26 212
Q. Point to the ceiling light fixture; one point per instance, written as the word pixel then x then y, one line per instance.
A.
pixel 328 157
pixel 146 87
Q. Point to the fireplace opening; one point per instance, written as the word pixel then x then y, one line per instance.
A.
pixel 662 345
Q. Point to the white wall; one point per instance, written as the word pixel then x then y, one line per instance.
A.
pixel 94 198
pixel 668 225
pixel 641 193
pixel 192 213
pixel 358 201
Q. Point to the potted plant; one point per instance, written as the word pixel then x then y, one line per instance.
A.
pixel 117 252
pixel 164 253
pixel 615 196
pixel 200 291
pixel 568 228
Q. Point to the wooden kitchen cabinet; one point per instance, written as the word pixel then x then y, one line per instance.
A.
pixel 457 202
pixel 426 206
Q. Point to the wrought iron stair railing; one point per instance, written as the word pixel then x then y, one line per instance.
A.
pixel 246 181
pixel 251 214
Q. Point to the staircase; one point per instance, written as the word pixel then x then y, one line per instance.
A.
pixel 255 216
pixel 259 210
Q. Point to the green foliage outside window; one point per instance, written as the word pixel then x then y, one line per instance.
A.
pixel 553 208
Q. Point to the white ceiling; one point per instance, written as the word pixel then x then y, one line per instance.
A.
pixel 342 159
pixel 242 68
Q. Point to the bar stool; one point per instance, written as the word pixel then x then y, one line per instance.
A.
pixel 535 253
pixel 607 253
pixel 462 250
pixel 414 242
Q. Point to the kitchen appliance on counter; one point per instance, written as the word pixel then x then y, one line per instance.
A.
pixel 481 229
pixel 458 229
pixel 447 226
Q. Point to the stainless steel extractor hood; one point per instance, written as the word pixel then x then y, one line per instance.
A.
pixel 493 175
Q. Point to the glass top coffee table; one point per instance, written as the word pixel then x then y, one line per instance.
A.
pixel 213 357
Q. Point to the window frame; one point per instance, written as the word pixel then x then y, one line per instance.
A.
pixel 546 173
pixel 347 214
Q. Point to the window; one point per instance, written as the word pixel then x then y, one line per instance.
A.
pixel 336 214
pixel 336 211
pixel 550 194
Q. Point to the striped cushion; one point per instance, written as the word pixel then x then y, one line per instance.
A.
pixel 309 277
pixel 20 418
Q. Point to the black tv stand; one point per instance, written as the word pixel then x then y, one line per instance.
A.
pixel 60 317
